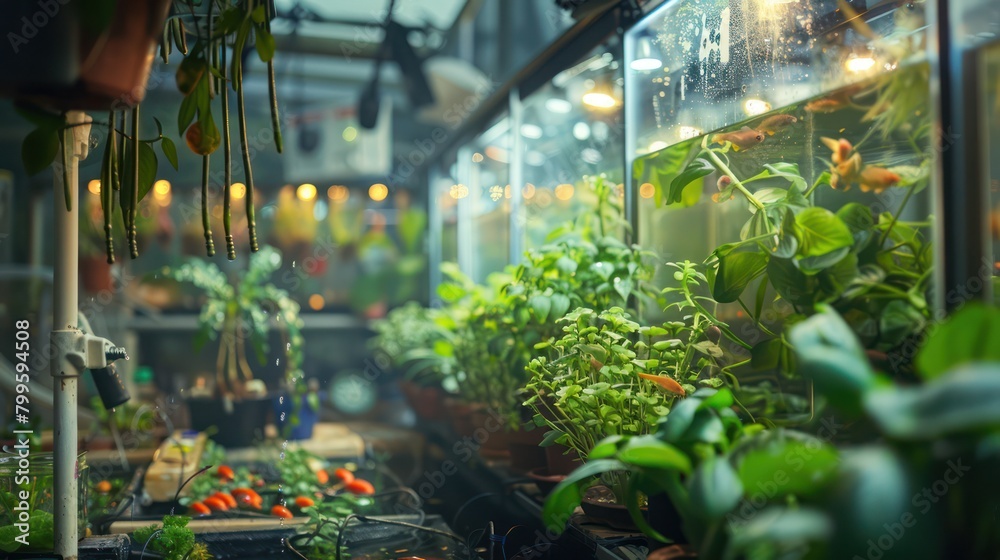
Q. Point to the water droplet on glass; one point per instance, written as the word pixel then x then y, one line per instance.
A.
pixel 93 141
pixel 293 264
pixel 281 399
pixel 282 416
pixel 277 361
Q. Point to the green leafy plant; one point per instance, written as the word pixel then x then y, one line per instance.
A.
pixel 918 483
pixel 707 462
pixel 173 539
pixel 413 339
pixel 129 162
pixel 874 269
pixel 243 312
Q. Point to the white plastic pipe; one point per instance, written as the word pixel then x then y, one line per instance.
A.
pixel 65 335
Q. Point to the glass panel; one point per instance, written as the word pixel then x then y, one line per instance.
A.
pixel 786 151
pixel 488 192
pixel 991 95
pixel 571 128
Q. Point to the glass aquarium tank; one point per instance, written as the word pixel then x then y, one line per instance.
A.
pixel 784 148
pixel 985 32
pixel 27 502
pixel 571 129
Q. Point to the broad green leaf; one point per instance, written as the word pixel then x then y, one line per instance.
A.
pixel 560 305
pixel 857 217
pixel 963 401
pixel 714 489
pixel 39 149
pixel 820 231
pixel 873 492
pixel 785 528
pixel 790 283
pixel 972 334
pixel 899 320
pixel 605 448
pixel 678 421
pixel 788 467
pixel 736 271
pixel 697 169
pixel 169 151
pixel 788 244
pixel 650 452
pixel 541 305
pixel 830 355
pixel 189 107
pixel 814 265
pixel 264 43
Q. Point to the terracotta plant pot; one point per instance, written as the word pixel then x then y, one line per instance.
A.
pixel 427 402
pixel 460 415
pixel 75 62
pixel 673 552
pixel 525 453
pixel 95 274
pixel 546 482
pixel 560 459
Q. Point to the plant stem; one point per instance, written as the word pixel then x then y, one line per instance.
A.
pixel 107 188
pixel 732 176
pixel 895 217
pixel 248 171
pixel 228 157
pixel 272 93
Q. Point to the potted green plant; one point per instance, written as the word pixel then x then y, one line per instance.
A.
pixel 411 338
pixel 240 315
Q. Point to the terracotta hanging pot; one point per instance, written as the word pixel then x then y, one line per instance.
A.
pixel 81 55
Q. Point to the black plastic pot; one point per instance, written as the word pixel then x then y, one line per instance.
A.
pixel 239 425
pixel 665 519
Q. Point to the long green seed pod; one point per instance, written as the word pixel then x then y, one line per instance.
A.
pixel 248 172
pixel 272 93
pixel 183 44
pixel 107 188
pixel 165 45
pixel 133 233
pixel 227 150
pixel 205 216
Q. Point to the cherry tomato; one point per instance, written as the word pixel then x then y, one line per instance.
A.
pixel 215 504
pixel 281 511
pixel 228 499
pixel 225 472
pixel 246 500
pixel 200 509
pixel 360 486
pixel 322 477
pixel 344 475
pixel 303 501
pixel 103 487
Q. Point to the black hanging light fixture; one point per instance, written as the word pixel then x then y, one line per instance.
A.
pixel 395 44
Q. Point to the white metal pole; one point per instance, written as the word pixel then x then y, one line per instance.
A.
pixel 65 334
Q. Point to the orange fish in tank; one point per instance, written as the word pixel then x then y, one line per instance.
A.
pixel 776 123
pixel 827 105
pixel 878 179
pixel 743 139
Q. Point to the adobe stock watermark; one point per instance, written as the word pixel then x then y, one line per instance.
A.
pixel 922 502
pixel 30 26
